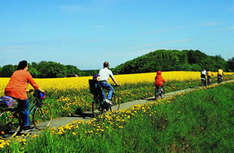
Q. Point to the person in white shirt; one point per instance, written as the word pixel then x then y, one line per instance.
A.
pixel 203 77
pixel 104 74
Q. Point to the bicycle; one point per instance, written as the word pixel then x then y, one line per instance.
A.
pixel 203 81
pixel 159 91
pixel 115 101
pixel 208 80
pixel 10 121
pixel 219 78
pixel 96 90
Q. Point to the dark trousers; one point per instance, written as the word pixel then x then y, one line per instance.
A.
pixel 23 109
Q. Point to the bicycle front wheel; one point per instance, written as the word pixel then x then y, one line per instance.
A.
pixel 42 117
pixel 9 124
pixel 115 103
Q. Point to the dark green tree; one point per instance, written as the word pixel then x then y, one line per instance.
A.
pixel 71 70
pixel 172 60
pixel 7 70
pixel 34 72
pixel 230 64
pixel 51 69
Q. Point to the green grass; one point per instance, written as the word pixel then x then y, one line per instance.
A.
pixel 127 92
pixel 199 122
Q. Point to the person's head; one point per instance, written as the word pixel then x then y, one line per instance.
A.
pixel 22 65
pixel 106 64
pixel 159 72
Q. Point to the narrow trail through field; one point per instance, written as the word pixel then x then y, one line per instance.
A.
pixel 62 121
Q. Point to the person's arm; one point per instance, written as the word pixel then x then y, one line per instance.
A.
pixel 32 82
pixel 162 79
pixel 113 78
pixel 114 81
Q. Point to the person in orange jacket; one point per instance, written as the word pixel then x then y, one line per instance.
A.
pixel 159 84
pixel 16 88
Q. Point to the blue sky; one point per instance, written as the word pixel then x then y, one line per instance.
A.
pixel 85 33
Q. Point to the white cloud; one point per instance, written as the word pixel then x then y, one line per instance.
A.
pixel 73 8
pixel 210 23
pixel 92 6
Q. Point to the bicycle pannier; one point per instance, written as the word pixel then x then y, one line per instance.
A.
pixel 8 102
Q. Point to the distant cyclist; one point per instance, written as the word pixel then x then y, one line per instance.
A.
pixel 209 74
pixel 16 88
pixel 203 77
pixel 159 84
pixel 104 74
pixel 220 75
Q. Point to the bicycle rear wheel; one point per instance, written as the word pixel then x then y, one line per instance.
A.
pixel 9 124
pixel 157 92
pixel 115 103
pixel 42 117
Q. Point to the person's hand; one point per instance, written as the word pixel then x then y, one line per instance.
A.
pixel 29 90
pixel 41 90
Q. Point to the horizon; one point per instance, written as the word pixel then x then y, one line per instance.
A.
pixel 121 63
pixel 87 33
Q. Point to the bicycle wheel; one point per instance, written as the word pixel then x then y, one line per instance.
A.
pixel 9 124
pixel 157 92
pixel 42 117
pixel 115 103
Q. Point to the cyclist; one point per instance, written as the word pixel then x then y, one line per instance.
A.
pixel 104 74
pixel 16 88
pixel 159 82
pixel 209 74
pixel 203 77
pixel 220 75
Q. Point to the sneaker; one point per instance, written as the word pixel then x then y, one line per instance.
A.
pixel 108 101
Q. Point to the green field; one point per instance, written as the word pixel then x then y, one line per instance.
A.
pixel 200 121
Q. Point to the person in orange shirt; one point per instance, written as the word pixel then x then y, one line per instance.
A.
pixel 159 84
pixel 16 88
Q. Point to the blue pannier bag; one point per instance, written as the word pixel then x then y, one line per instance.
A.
pixel 8 102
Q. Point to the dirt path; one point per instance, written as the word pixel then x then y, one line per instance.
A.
pixel 58 122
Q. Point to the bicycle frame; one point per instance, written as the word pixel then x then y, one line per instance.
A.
pixel 158 91
pixel 35 110
pixel 105 106
pixel 34 106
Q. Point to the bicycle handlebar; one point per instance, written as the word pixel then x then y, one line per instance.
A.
pixel 37 93
pixel 116 85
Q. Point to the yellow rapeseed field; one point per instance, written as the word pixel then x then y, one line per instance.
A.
pixel 82 82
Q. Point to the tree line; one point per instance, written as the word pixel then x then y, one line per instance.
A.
pixel 164 60
pixel 43 69
pixel 175 60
